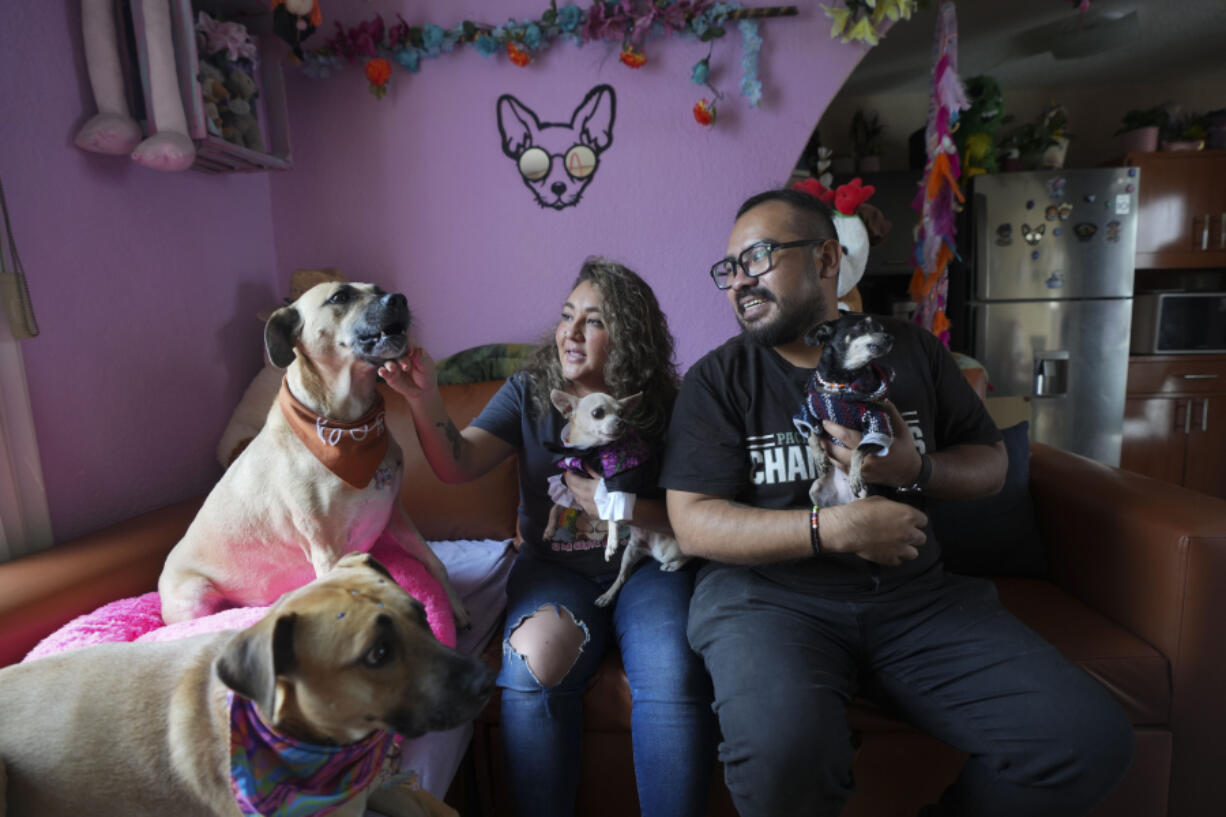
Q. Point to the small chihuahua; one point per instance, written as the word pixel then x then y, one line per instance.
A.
pixel 599 438
pixel 848 388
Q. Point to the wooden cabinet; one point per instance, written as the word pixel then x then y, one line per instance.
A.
pixel 1175 420
pixel 1181 209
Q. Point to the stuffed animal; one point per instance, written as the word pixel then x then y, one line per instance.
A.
pixel 242 119
pixel 295 20
pixel 859 225
pixel 113 130
pixel 975 136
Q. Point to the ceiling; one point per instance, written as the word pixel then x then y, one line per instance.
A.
pixel 1115 42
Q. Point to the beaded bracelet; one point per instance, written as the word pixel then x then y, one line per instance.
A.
pixel 815 538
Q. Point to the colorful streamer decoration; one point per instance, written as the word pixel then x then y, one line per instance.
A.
pixel 939 194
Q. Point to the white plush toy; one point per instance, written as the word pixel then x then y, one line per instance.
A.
pixel 112 129
pixel 859 225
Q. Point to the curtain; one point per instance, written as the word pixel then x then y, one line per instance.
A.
pixel 25 523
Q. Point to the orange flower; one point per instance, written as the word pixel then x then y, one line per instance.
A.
pixel 632 58
pixel 518 56
pixel 704 112
pixel 378 71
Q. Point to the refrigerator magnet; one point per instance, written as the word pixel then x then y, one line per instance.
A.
pixel 1065 210
pixel 1055 280
pixel 1004 235
pixel 1055 187
pixel 1033 235
pixel 1113 230
pixel 1051 213
pixel 1085 230
pixel 1123 204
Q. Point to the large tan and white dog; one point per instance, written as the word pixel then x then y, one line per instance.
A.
pixel 322 477
pixel 136 730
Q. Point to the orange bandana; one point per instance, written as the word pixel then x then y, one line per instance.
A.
pixel 352 451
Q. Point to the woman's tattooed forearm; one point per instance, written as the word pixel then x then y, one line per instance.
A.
pixel 453 437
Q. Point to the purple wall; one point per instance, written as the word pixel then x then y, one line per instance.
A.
pixel 415 193
pixel 145 285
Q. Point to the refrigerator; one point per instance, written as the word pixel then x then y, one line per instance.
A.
pixel 1048 298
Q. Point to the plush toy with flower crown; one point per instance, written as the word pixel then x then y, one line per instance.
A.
pixel 859 225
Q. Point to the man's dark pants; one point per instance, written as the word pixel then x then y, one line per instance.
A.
pixel 1044 738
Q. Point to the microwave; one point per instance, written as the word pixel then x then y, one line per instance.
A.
pixel 1179 323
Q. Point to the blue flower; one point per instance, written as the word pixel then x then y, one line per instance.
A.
pixel 532 36
pixel 432 38
pixel 701 72
pixel 569 17
pixel 409 59
pixel 486 45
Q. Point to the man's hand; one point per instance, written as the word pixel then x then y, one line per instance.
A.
pixel 876 529
pixel 413 376
pixel 898 468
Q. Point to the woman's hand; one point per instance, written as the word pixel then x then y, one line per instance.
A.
pixel 414 376
pixel 584 490
pixel 896 469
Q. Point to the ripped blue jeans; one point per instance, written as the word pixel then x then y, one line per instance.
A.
pixel 673 727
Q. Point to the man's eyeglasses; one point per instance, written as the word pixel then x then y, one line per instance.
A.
pixel 756 259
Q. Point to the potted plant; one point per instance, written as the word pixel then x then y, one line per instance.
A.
pixel 1023 147
pixel 1185 132
pixel 866 131
pixel 1054 122
pixel 1140 127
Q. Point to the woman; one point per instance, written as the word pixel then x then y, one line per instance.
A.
pixel 612 337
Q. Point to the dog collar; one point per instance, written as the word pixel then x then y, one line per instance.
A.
pixel 871 385
pixel 352 451
pixel 274 775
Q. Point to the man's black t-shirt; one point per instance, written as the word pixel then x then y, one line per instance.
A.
pixel 732 436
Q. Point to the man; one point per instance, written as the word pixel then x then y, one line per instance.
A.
pixel 800 610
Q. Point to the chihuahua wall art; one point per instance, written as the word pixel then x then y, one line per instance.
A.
pixel 557 160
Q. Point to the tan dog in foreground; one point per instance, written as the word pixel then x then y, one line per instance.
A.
pixel 144 729
pixel 279 516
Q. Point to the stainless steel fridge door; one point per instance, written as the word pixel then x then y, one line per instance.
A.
pixel 1055 234
pixel 1070 358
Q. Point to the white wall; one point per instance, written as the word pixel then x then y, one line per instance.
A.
pixel 1094 114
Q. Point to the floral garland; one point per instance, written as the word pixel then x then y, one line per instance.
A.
pixel 863 20
pixel 630 23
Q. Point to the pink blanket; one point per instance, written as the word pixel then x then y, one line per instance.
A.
pixel 140 618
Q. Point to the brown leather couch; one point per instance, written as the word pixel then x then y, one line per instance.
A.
pixel 1137 598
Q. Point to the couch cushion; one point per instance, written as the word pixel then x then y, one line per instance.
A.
pixel 482 509
pixel 996 535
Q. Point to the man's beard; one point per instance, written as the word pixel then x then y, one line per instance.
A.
pixel 793 321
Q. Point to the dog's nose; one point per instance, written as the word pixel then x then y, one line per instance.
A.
pixel 558 188
pixel 394 300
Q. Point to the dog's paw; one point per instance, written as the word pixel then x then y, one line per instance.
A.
pixel 606 598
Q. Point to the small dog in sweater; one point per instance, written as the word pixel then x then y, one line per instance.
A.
pixel 597 437
pixel 848 387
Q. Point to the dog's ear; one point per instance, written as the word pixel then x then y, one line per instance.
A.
pixel 254 658
pixel 279 335
pixel 517 125
pixel 630 402
pixel 563 402
pixel 820 334
pixel 593 118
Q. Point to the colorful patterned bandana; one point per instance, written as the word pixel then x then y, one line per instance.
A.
pixel 352 451
pixel 273 775
pixel 626 452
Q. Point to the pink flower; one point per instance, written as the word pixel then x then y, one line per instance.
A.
pixel 229 37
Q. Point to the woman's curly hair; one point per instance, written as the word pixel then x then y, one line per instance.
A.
pixel 640 349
